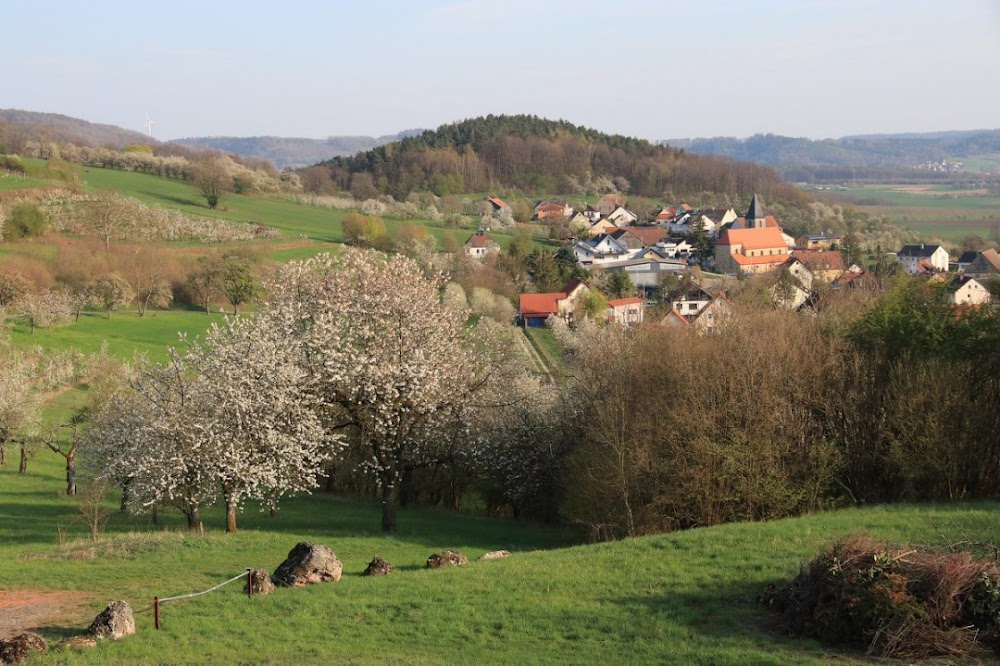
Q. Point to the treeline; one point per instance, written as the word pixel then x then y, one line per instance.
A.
pixel 537 155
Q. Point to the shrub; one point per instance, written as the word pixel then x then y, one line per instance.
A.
pixel 27 220
pixel 901 603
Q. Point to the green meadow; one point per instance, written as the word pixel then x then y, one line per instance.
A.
pixel 682 598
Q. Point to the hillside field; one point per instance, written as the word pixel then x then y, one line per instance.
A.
pixel 939 210
pixel 686 597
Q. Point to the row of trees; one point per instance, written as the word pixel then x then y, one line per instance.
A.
pixel 357 350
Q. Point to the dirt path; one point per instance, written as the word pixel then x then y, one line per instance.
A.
pixel 27 610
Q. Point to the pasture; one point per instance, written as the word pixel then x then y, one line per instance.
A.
pixel 686 597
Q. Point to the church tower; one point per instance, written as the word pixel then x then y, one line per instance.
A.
pixel 755 217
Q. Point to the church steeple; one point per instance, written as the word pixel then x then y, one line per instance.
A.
pixel 755 217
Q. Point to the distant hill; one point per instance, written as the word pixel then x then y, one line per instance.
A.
pixel 292 152
pixel 535 154
pixel 57 127
pixel 886 151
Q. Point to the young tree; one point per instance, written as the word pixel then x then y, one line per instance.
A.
pixel 107 216
pixel 45 308
pixel 619 285
pixel 205 281
pixel 19 404
pixel 213 179
pixel 239 281
pixel 13 287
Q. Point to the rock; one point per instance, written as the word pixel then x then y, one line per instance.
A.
pixel 261 582
pixel 494 555
pixel 15 649
pixel 77 643
pixel 378 567
pixel 114 622
pixel 448 558
pixel 306 564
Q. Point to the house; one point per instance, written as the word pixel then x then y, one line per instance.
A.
pixel 854 277
pixel 481 244
pixel 794 286
pixel 552 208
pixel 601 249
pixel 825 265
pixel 964 261
pixel 626 311
pixel 817 241
pixel 497 204
pixel 609 203
pixel 601 226
pixel 967 291
pixel 986 264
pixel 689 299
pixel 625 236
pixel 713 219
pixel 676 247
pixel 579 223
pixel 645 273
pixel 711 319
pixel 911 255
pixel 648 235
pixel 755 246
pixel 666 215
pixel 534 309
pixel 622 217
pixel 592 213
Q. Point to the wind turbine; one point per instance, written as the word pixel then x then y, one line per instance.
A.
pixel 149 126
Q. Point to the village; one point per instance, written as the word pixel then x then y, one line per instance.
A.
pixel 711 247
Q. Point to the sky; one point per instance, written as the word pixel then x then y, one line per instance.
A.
pixel 654 69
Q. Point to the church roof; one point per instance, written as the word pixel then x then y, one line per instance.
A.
pixel 756 209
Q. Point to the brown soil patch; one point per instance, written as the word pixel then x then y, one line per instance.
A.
pixel 29 610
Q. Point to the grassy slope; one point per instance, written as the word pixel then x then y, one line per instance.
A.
pixel 686 597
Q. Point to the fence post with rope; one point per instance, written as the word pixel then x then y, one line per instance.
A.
pixel 157 600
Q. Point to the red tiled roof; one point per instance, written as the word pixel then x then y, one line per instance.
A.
pixel 498 202
pixel 821 259
pixel 481 240
pixel 617 302
pixel 648 235
pixel 754 239
pixel 539 305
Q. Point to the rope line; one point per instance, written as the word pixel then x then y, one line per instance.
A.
pixel 198 594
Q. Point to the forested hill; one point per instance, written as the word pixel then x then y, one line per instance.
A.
pixel 57 127
pixel 289 151
pixel 539 155
pixel 875 150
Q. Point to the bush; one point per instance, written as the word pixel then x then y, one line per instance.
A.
pixel 25 221
pixel 894 602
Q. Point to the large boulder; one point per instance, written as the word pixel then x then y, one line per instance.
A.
pixel 306 564
pixel 15 649
pixel 378 567
pixel 261 582
pixel 447 558
pixel 114 622
pixel 494 555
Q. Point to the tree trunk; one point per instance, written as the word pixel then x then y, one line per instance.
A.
pixel 3 453
pixel 71 476
pixel 23 467
pixel 194 519
pixel 231 504
pixel 123 506
pixel 389 499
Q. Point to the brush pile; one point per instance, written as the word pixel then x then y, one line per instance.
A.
pixel 894 602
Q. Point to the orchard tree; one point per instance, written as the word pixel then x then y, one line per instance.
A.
pixel 43 309
pixel 19 404
pixel 205 281
pixel 393 363
pixel 110 291
pixel 108 216
pixel 13 287
pixel 238 280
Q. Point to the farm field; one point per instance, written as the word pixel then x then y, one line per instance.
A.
pixel 686 597
pixel 939 210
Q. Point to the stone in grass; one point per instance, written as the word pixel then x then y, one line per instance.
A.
pixel 494 555
pixel 261 582
pixel 447 558
pixel 114 622
pixel 80 642
pixel 378 567
pixel 15 649
pixel 308 563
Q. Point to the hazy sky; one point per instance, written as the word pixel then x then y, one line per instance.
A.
pixel 649 68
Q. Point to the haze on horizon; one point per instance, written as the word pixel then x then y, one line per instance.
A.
pixel 655 69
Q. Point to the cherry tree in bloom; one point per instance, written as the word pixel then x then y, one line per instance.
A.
pixel 392 363
pixel 231 414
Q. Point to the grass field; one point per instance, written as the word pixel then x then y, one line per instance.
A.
pixel 929 210
pixel 687 597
